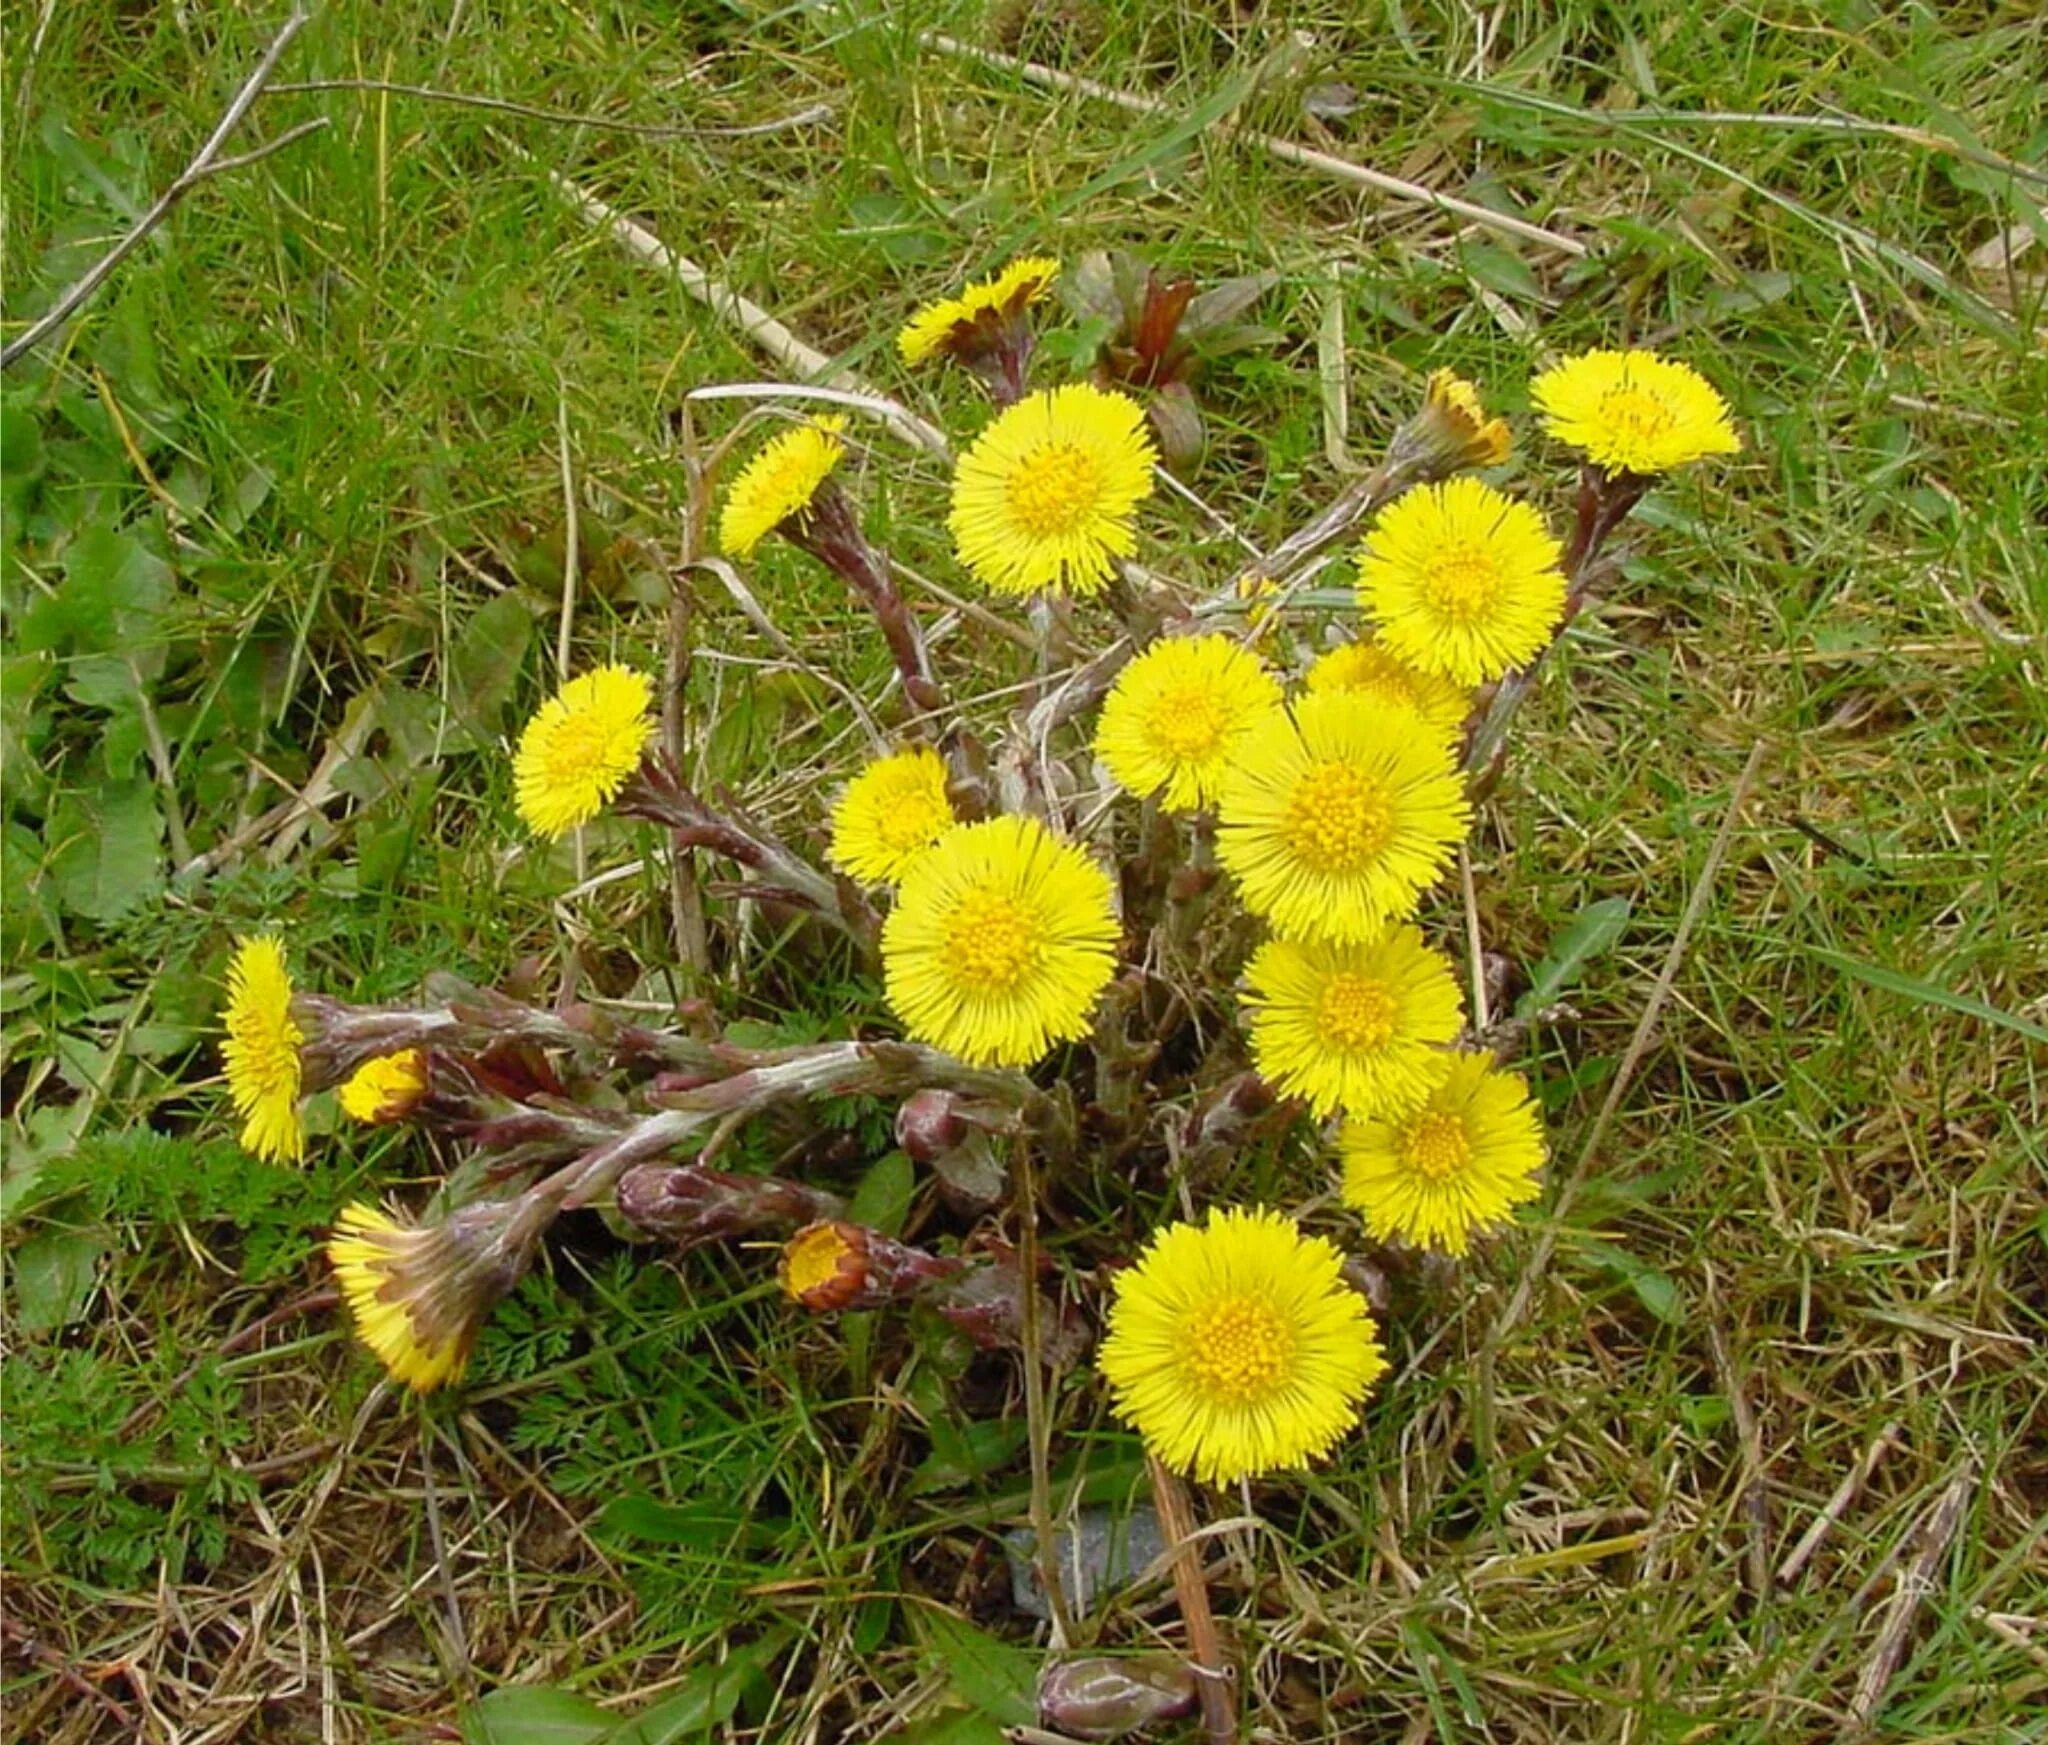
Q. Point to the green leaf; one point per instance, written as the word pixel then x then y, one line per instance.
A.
pixel 706 1699
pixel 1892 981
pixel 114 593
pixel 1508 274
pixel 527 1714
pixel 104 858
pixel 484 665
pixel 701 1525
pixel 999 1679
pixel 882 1201
pixel 53 1277
pixel 1591 931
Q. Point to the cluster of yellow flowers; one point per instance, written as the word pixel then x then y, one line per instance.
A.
pixel 1235 1346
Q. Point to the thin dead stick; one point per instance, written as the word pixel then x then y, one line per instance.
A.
pixel 749 317
pixel 1638 1046
pixel 1936 1532
pixel 559 117
pixel 208 162
pixel 1838 1505
pixel 1339 169
pixel 1205 1652
pixel 1756 1504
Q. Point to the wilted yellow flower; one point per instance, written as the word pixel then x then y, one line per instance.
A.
pixel 261 1052
pixel 419 1293
pixel 385 1089
pixel 1357 1027
pixel 779 482
pixel 1334 821
pixel 1176 713
pixel 1452 428
pixel 890 814
pixel 1462 1161
pixel 1000 941
pixel 1236 1349
pixel 1045 497
pixel 1633 411
pixel 580 747
pixel 1365 666
pixel 967 317
pixel 1462 581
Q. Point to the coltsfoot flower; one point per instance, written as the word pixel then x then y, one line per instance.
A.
pixel 779 483
pixel 1235 1348
pixel 1461 580
pixel 1045 497
pixel 1367 667
pixel 419 1292
pixel 580 747
pixel 1458 1164
pixel 891 812
pixel 1452 430
pixel 1336 817
pixel 1357 1027
pixel 1001 938
pixel 974 318
pixel 261 1052
pixel 1176 714
pixel 385 1089
pixel 1633 411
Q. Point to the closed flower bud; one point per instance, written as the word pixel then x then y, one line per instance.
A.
pixel 825 1266
pixel 1101 1698
pixel 1452 431
pixel 929 1125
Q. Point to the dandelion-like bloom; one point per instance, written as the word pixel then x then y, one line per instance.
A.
pixel 1235 1348
pixel 262 1050
pixel 779 482
pixel 1334 820
pixel 419 1292
pixel 972 316
pixel 385 1089
pixel 579 748
pixel 1044 498
pixel 1633 411
pixel 1000 940
pixel 1177 712
pixel 1462 581
pixel 1440 704
pixel 1457 1164
pixel 1355 1027
pixel 1452 429
pixel 890 814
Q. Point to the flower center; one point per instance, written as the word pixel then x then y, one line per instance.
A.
pixel 1436 1145
pixel 1639 416
pixel 1338 820
pixel 580 748
pixel 1355 1013
pixel 1464 582
pixel 1187 723
pixel 1052 490
pixel 991 941
pixel 1239 1350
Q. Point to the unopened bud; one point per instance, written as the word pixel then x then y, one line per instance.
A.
pixel 832 1265
pixel 386 1089
pixel 929 1125
pixel 1101 1698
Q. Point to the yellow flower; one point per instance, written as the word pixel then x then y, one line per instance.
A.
pixel 1440 704
pixel 419 1293
pixel 1459 1163
pixel 1236 1348
pixel 262 1050
pixel 385 1089
pixel 1044 498
pixel 1355 1027
pixel 1001 938
pixel 1335 821
pixel 824 1265
pixel 1462 581
pixel 1633 411
pixel 938 325
pixel 580 747
pixel 779 482
pixel 890 814
pixel 1452 429
pixel 1177 712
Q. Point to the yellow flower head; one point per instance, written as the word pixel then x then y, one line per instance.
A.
pixel 419 1292
pixel 1462 581
pixel 1001 938
pixel 824 1266
pixel 386 1089
pixel 1176 714
pixel 779 482
pixel 890 814
pixel 1633 411
pixel 1355 1027
pixel 1453 429
pixel 954 320
pixel 1365 666
pixel 1334 821
pixel 1044 498
pixel 1236 1348
pixel 1457 1164
pixel 262 1050
pixel 578 750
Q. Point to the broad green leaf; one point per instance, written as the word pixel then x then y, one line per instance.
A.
pixel 998 1678
pixel 528 1714
pixel 53 1277
pixel 484 666
pixel 104 856
pixel 1591 931
pixel 707 1697
pixel 1892 981
pixel 114 593
pixel 882 1200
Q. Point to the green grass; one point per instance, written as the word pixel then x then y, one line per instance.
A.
pixel 335 530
